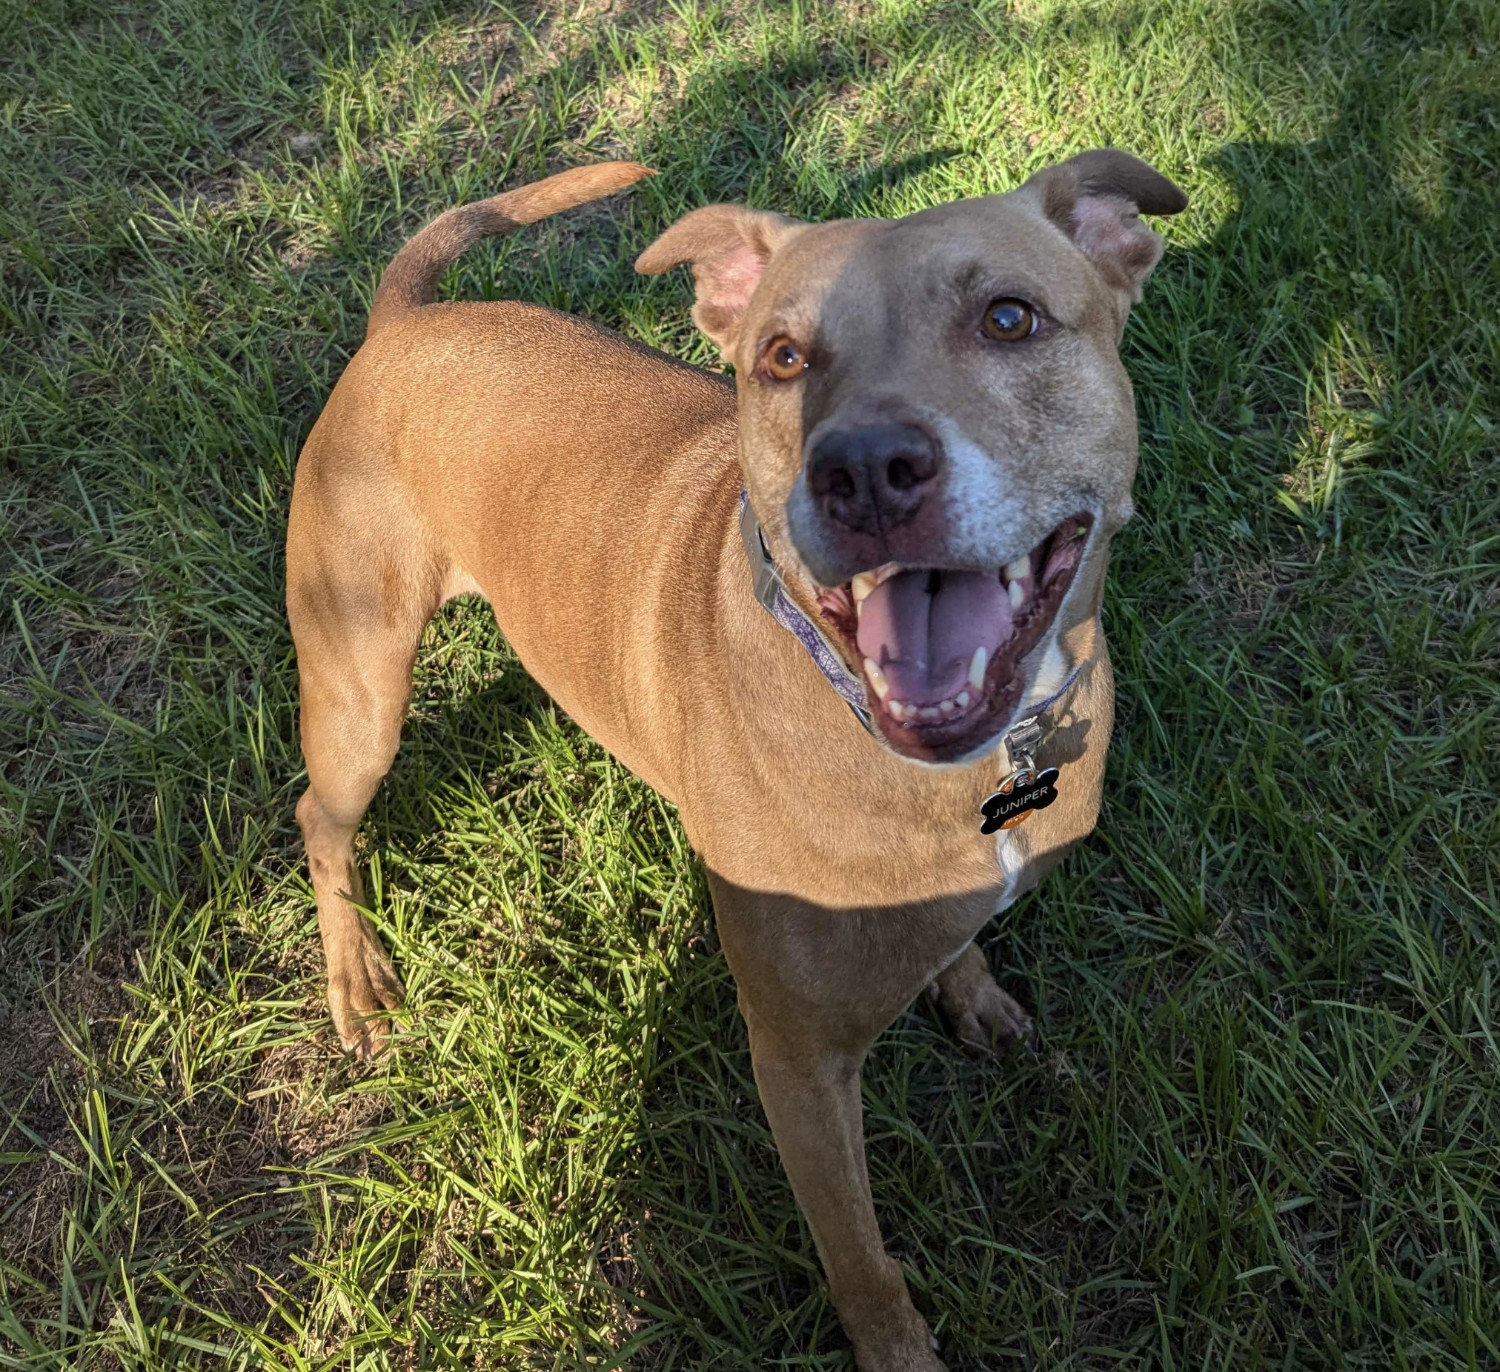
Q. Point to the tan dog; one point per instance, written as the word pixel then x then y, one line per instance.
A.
pixel 938 440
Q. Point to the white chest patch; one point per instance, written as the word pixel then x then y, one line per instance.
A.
pixel 1010 866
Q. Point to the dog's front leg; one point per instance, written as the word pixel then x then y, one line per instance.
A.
pixel 816 987
pixel 810 1092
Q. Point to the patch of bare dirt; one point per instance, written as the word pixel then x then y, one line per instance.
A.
pixel 42 1085
pixel 295 1112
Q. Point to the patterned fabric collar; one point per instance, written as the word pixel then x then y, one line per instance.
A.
pixel 771 591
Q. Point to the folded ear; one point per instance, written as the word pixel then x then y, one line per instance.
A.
pixel 1096 199
pixel 729 247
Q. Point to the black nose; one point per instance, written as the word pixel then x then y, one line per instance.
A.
pixel 872 479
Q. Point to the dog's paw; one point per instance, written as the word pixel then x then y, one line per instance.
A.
pixel 914 1359
pixel 361 993
pixel 977 1012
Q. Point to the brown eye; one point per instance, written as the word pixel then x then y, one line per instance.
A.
pixel 783 359
pixel 1009 321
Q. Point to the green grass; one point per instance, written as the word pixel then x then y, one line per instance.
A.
pixel 1264 1130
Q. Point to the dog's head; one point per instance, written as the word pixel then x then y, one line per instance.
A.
pixel 936 431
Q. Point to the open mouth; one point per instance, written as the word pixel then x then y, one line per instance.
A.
pixel 943 650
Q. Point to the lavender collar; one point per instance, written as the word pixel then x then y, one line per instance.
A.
pixel 770 590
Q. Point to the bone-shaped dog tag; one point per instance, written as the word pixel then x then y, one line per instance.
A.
pixel 1023 791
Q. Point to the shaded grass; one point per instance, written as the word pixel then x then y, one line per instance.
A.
pixel 1263 1131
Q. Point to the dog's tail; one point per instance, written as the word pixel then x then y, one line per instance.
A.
pixel 411 279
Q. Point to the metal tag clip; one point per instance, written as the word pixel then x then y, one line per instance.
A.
pixel 1023 789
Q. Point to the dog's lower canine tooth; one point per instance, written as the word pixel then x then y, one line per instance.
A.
pixel 862 585
pixel 963 699
pixel 1017 594
pixel 877 678
pixel 977 664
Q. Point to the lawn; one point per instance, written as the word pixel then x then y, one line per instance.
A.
pixel 1263 1127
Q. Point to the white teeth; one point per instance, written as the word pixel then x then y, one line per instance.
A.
pixel 862 583
pixel 1017 595
pixel 905 711
pixel 877 678
pixel 1015 571
pixel 980 661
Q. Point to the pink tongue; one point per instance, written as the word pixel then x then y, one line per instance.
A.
pixel 924 641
